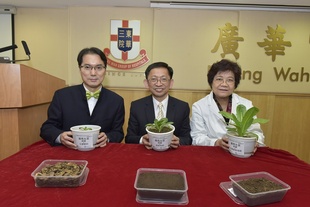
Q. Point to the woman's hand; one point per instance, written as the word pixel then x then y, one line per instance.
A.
pixel 255 148
pixel 223 143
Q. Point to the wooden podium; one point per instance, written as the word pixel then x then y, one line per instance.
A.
pixel 25 94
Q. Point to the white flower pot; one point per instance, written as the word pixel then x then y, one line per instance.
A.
pixel 242 147
pixel 160 141
pixel 85 139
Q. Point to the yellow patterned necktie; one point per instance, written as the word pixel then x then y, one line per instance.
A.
pixel 160 114
pixel 90 94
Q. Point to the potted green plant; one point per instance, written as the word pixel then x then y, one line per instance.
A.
pixel 160 133
pixel 241 141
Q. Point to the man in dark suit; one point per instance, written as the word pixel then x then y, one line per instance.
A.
pixel 88 103
pixel 143 111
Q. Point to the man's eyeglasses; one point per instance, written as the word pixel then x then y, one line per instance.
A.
pixel 90 67
pixel 163 80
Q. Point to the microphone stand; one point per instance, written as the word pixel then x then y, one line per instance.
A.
pixel 26 49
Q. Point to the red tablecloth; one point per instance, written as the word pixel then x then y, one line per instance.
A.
pixel 113 169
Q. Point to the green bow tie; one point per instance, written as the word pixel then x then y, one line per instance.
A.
pixel 90 94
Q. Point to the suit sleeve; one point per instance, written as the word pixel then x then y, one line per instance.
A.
pixel 116 134
pixel 51 128
pixel 133 135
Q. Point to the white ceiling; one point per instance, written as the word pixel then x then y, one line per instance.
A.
pixel 132 3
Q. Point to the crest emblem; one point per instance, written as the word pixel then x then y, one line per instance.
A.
pixel 125 44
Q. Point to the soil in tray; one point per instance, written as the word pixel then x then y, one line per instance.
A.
pixel 258 185
pixel 159 180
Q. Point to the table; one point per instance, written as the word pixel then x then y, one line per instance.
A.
pixel 113 169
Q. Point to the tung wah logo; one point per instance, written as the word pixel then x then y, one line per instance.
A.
pixel 124 52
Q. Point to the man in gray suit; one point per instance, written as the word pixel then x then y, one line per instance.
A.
pixel 87 103
pixel 158 79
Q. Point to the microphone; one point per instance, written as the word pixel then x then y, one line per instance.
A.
pixel 12 47
pixel 26 48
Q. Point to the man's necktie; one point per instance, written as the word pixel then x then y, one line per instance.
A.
pixel 160 111
pixel 90 94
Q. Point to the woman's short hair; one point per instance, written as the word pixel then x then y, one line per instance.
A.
pixel 225 65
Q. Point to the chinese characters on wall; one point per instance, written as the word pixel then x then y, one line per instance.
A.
pixel 274 44
pixel 228 39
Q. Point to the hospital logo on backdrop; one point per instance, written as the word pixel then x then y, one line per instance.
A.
pixel 124 52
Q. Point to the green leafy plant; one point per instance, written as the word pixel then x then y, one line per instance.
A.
pixel 243 120
pixel 159 125
pixel 85 128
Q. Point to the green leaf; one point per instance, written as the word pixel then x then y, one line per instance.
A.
pixel 159 124
pixel 261 121
pixel 243 119
pixel 236 120
pixel 241 110
pixel 226 114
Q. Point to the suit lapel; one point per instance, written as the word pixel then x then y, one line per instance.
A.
pixel 212 106
pixel 101 97
pixel 82 91
pixel 149 109
pixel 171 108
